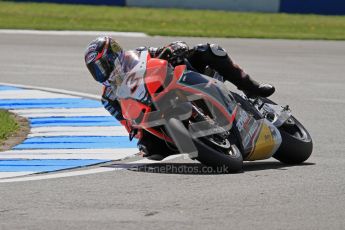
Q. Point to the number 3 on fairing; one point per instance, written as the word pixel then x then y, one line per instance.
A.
pixel 136 86
pixel 132 82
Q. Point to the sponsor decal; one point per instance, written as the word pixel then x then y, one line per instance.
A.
pixel 242 119
pixel 115 46
pixel 253 127
pixel 246 141
pixel 90 57
pixel 264 145
pixel 92 47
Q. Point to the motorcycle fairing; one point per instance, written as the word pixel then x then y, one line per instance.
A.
pixel 260 139
pixel 218 101
pixel 265 143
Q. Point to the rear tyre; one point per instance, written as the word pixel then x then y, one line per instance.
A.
pixel 229 161
pixel 297 144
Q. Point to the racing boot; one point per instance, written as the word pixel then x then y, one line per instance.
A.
pixel 253 88
pixel 152 147
pixel 152 156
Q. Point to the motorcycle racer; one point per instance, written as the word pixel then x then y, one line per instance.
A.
pixel 108 63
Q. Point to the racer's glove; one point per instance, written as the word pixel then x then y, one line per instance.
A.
pixel 174 53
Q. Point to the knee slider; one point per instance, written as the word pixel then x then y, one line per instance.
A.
pixel 217 50
pixel 213 49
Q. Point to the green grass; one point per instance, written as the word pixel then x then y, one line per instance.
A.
pixel 172 22
pixel 7 125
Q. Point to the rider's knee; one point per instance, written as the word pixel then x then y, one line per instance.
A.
pixel 210 51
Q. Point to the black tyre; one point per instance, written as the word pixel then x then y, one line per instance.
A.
pixel 297 144
pixel 229 161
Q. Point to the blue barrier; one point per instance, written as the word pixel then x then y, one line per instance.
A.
pixel 89 2
pixel 330 7
pixel 231 5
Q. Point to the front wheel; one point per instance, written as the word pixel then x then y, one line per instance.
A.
pixel 297 145
pixel 228 161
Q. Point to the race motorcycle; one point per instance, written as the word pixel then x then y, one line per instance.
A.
pixel 197 114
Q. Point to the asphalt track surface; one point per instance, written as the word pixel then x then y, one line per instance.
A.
pixel 308 75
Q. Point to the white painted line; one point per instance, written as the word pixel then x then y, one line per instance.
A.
pixel 87 95
pixel 72 156
pixel 148 161
pixel 59 175
pixel 86 171
pixel 13 174
pixel 81 134
pixel 100 154
pixel 78 131
pixel 70 32
pixel 31 94
pixel 28 152
pixel 62 112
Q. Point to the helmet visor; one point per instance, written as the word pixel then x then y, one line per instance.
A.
pixel 100 70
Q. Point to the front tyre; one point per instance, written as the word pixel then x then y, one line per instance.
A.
pixel 225 161
pixel 231 161
pixel 297 145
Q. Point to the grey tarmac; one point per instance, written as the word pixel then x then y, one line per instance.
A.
pixel 308 75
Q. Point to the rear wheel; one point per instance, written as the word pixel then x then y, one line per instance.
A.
pixel 297 144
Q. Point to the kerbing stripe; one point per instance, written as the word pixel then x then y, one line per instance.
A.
pixel 76 142
pixel 61 112
pixel 74 121
pixel 104 154
pixel 78 131
pixel 5 88
pixel 66 132
pixel 48 103
pixel 85 156
pixel 18 165
pixel 29 152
